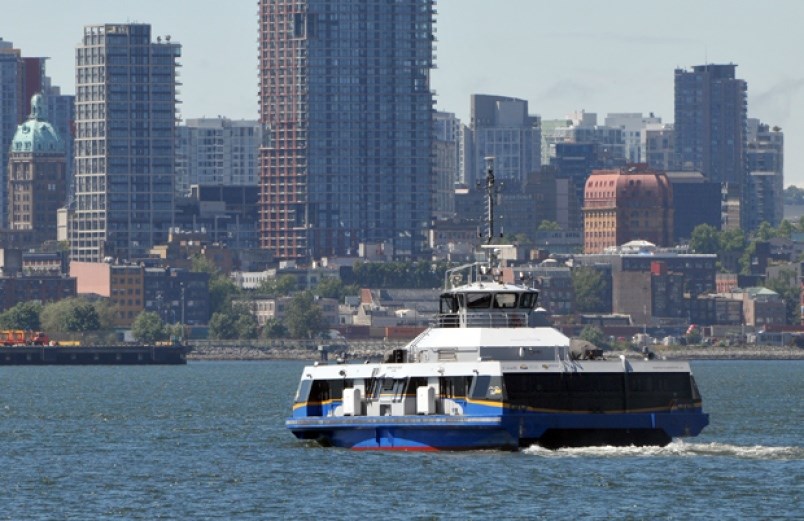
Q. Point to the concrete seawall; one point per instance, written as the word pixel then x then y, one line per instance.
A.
pixel 374 350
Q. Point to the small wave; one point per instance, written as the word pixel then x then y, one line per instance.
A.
pixel 676 448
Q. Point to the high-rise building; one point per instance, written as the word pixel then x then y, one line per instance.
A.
pixel 553 131
pixel 125 141
pixel 658 146
pixel 10 92
pixel 710 125
pixel 347 108
pixel 217 151
pixel 765 163
pixel 502 128
pixel 446 144
pixel 36 174
pixel 61 114
pixel 21 78
pixel 632 125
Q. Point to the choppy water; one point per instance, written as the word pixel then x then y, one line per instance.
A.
pixel 207 441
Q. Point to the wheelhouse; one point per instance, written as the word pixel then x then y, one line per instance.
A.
pixel 491 306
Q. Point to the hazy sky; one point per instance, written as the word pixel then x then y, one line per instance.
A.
pixel 562 56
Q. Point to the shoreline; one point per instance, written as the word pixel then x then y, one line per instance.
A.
pixel 250 353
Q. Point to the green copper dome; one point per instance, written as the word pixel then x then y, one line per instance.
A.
pixel 37 135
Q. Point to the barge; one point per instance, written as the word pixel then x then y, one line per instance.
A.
pixel 94 355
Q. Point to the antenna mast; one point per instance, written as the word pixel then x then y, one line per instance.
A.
pixel 491 193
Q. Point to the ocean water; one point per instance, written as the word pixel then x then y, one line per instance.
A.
pixel 207 441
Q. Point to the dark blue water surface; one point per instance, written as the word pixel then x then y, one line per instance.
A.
pixel 207 441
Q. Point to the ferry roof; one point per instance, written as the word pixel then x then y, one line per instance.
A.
pixel 384 370
pixel 485 287
pixel 475 337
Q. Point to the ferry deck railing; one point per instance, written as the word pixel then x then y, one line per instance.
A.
pixel 482 319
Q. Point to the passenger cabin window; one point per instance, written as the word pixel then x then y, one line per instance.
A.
pixel 324 390
pixel 454 386
pixel 505 300
pixel 527 300
pixel 478 300
pixel 486 387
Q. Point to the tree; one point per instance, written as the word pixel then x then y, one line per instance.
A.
pixel 278 286
pixel 83 317
pixel 765 232
pixel 705 239
pixel 222 326
pixel 274 328
pixel 73 315
pixel 204 265
pixel 329 287
pixel 785 229
pixel 785 284
pixel 746 257
pixel 732 241
pixel 149 328
pixel 548 226
pixel 303 316
pixel 221 292
pixel 24 315
pixel 398 274
pixel 245 323
pixel 589 289
pixel 594 335
pixel 793 195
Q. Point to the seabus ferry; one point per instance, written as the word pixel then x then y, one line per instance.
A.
pixel 491 373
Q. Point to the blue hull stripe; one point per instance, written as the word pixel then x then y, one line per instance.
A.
pixel 474 432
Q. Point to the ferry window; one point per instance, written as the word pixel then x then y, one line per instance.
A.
pixel 480 386
pixel 449 304
pixel 527 300
pixel 696 395
pixel 478 300
pixel 454 386
pixel 336 389
pixel 505 300
pixel 373 387
pixel 319 391
pixel 414 383
pixel 303 391
pixel 487 387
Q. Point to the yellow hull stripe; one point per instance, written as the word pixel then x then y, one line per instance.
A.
pixel 500 405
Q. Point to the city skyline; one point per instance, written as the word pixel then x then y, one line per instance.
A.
pixel 602 58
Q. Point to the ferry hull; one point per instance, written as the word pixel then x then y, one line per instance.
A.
pixel 506 432
pixel 623 429
pixel 408 433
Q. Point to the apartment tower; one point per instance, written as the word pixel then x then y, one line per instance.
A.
pixel 124 142
pixel 347 111
pixel 710 127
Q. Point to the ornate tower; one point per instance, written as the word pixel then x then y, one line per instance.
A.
pixel 37 175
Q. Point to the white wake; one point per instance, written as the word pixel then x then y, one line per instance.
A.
pixel 676 448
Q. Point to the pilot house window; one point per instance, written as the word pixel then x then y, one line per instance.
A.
pixel 478 300
pixel 505 300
